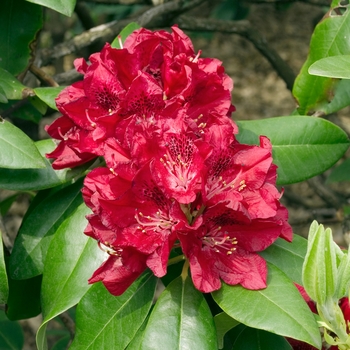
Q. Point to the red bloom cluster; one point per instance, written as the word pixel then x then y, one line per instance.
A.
pixel 175 176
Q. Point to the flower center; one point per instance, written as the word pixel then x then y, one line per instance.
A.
pixel 157 222
pixel 220 241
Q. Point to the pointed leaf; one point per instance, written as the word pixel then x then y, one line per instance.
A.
pixel 18 151
pixel 181 319
pixel 48 95
pixel 71 259
pixel 223 324
pixel 124 34
pixel 19 23
pixel 314 93
pixel 343 277
pixel 66 7
pixel 251 339
pixel 288 257
pixel 332 67
pixel 11 334
pixel 4 287
pixel 100 315
pixel 278 309
pixel 38 179
pixel 37 230
pixel 320 265
pixel 135 343
pixel 302 146
pixel 3 98
pixel 11 86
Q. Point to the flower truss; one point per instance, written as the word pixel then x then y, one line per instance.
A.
pixel 175 175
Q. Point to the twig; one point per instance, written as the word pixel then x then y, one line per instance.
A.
pixel 244 29
pixel 333 199
pixel 42 76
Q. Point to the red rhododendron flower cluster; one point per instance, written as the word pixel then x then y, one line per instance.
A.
pixel 175 175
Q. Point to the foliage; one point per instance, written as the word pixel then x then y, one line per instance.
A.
pixel 47 269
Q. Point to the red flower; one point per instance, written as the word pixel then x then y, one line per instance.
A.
pixel 176 176
pixel 155 74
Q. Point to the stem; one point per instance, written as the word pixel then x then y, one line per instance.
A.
pixel 184 273
pixel 175 260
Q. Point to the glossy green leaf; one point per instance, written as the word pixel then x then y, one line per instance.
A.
pixel 48 95
pixel 320 265
pixel 100 315
pixel 24 298
pixel 71 259
pixel 19 23
pixel 288 257
pixel 278 309
pixel 332 67
pixel 66 7
pixel 38 179
pixel 37 230
pixel 11 86
pixel 11 334
pixel 4 287
pixel 124 34
pixel 181 319
pixel 302 147
pixel 252 339
pixel 135 343
pixel 314 93
pixel 18 151
pixel 340 173
pixel 223 324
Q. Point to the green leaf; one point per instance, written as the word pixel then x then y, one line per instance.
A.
pixel 124 34
pixel 100 315
pixel 3 98
pixel 10 85
pixel 320 265
pixel 24 298
pixel 38 228
pixel 11 335
pixel 4 287
pixel 223 324
pixel 252 339
pixel 136 341
pixel 18 151
pixel 48 95
pixel 38 179
pixel 66 7
pixel 314 93
pixel 340 173
pixel 71 259
pixel 288 257
pixel 181 319
pixel 332 67
pixel 278 309
pixel 343 277
pixel 302 146
pixel 19 23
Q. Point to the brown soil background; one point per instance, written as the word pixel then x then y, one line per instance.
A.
pixel 258 93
